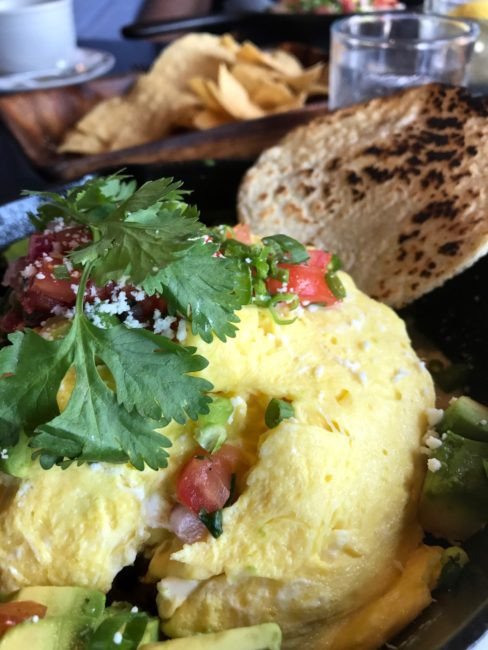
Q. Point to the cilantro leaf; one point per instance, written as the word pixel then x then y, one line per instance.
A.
pixel 136 357
pixel 207 288
pixel 87 203
pixel 32 369
pixel 93 427
pixel 152 387
pixel 143 234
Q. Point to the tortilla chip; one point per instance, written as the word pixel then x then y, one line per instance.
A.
pixel 233 97
pixel 76 142
pixel 278 60
pixel 272 94
pixel 208 119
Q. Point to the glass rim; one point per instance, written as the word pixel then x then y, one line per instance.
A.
pixel 466 37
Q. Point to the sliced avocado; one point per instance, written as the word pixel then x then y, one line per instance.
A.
pixel 266 636
pixel 454 502
pixel 151 633
pixel 60 633
pixel 18 459
pixel 65 601
pixel 467 418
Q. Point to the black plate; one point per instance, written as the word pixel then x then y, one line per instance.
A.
pixel 455 318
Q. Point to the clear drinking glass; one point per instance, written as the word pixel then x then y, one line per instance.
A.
pixel 477 73
pixel 374 55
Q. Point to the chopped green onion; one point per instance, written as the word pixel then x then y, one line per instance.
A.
pixel 288 249
pixel 335 264
pixel 277 411
pixel 262 269
pixel 212 521
pixel 60 272
pixel 335 285
pixel 291 299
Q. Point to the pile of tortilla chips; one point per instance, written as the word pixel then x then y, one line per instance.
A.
pixel 199 81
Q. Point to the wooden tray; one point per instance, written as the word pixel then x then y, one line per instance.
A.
pixel 39 119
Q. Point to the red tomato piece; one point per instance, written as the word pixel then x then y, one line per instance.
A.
pixel 16 612
pixel 70 238
pixel 318 258
pixel 40 243
pixel 308 282
pixel 205 480
pixel 242 233
pixel 45 284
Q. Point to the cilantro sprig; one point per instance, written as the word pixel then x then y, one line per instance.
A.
pixel 152 386
pixel 149 238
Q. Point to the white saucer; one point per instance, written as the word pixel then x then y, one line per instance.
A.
pixel 86 64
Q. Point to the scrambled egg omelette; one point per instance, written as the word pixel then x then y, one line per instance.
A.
pixel 325 522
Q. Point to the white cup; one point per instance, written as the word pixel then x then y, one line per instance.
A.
pixel 36 35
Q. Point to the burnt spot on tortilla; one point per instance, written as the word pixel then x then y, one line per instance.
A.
pixel 306 189
pixel 436 210
pixel 280 190
pixel 403 237
pixel 353 179
pixel 307 172
pixel 441 123
pixel 333 164
pixel 414 286
pixel 440 155
pixel 378 174
pixel 402 254
pixel 471 150
pixel 449 248
pixel 373 151
pixel 431 265
pixel 418 255
pixel 357 195
pixel 433 177
pixel 263 196
pixel 425 273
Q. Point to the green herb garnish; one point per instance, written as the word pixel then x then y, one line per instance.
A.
pixel 277 411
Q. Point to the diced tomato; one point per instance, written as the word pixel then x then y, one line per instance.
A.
pixel 71 238
pixel 308 282
pixel 205 480
pixel 61 242
pixel 242 233
pixel 16 612
pixel 45 285
pixel 40 243
pixel 318 258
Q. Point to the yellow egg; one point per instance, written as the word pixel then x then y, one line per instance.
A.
pixel 326 513
pixel 328 510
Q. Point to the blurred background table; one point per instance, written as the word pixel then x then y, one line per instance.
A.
pixel 16 172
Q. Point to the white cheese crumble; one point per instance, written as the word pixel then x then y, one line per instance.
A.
pixel 319 372
pixel 132 322
pixel 138 295
pixel 4 454
pixel 483 423
pixel 163 325
pixel 29 271
pixel 118 638
pixel 432 442
pixel 434 464
pixel 181 331
pixel 59 310
pixel 35 618
pixel 434 416
pixel 40 276
pixel 134 609
pixel 366 345
pixel 313 308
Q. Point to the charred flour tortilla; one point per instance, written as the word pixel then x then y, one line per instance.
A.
pixel 397 186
